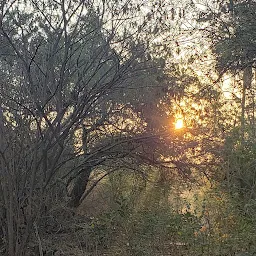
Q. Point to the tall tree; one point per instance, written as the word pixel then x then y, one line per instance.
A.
pixel 66 68
pixel 230 26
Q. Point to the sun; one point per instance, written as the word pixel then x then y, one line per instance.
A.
pixel 179 123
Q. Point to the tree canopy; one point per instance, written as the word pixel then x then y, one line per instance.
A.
pixel 93 93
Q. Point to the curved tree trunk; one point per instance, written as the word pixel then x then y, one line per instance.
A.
pixel 79 187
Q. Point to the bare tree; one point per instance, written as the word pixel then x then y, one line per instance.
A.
pixel 66 69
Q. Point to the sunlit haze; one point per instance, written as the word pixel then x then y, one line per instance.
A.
pixel 179 124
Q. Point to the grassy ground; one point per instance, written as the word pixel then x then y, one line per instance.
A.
pixel 126 216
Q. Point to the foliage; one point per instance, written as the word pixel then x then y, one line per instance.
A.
pixel 90 93
pixel 146 226
pixel 239 164
pixel 230 27
pixel 210 223
pixel 66 69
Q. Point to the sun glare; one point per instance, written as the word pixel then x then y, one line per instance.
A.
pixel 179 123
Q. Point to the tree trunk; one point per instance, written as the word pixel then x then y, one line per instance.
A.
pixel 79 187
pixel 247 81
